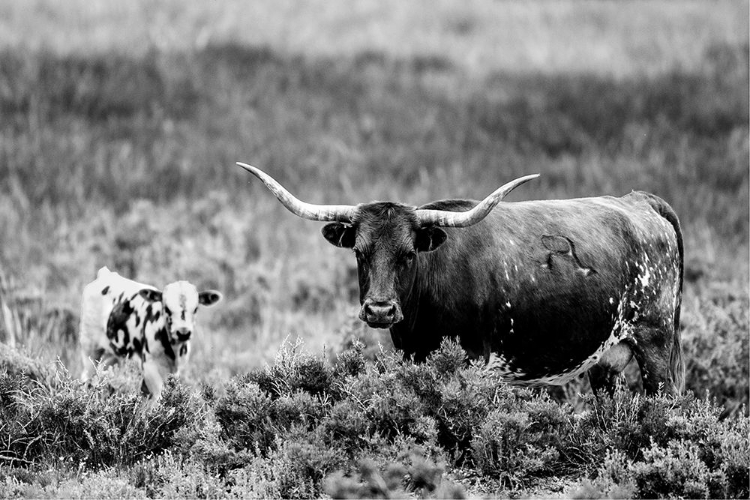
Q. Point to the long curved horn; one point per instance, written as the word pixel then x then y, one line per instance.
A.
pixel 341 213
pixel 444 218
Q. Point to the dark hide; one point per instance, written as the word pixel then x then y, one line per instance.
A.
pixel 543 288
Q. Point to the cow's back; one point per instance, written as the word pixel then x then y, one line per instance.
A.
pixel 544 283
pixel 99 298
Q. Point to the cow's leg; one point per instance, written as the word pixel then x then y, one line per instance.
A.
pixel 612 363
pixel 652 348
pixel 152 379
pixel 89 359
pixel 108 360
pixel 98 359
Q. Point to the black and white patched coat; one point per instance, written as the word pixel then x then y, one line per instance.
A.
pixel 123 318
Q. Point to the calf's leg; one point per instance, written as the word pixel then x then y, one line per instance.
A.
pixel 99 358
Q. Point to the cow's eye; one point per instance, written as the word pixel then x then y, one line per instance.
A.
pixel 167 311
pixel 408 258
pixel 195 311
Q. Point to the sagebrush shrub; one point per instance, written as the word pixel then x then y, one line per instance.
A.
pixel 716 348
pixel 412 473
pixel 522 441
pixel 691 452
pixel 624 421
pixel 347 425
pixel 294 371
pixel 735 458
pixel 294 467
pixel 350 362
pixel 676 470
pixel 282 430
pixel 251 418
pixel 244 415
pixel 612 480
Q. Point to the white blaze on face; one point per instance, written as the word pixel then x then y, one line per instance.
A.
pixel 180 301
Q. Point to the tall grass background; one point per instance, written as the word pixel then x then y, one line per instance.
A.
pixel 121 123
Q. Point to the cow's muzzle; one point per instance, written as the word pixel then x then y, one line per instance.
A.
pixel 183 334
pixel 380 314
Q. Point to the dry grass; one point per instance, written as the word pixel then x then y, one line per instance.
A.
pixel 481 36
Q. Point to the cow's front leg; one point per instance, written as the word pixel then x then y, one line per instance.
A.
pixel 152 379
pixel 95 361
pixel 89 361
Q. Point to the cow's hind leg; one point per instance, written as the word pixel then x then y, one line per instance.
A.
pixel 89 361
pixel 98 359
pixel 652 348
pixel 602 375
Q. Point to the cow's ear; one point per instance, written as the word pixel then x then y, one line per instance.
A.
pixel 209 297
pixel 340 234
pixel 429 238
pixel 150 294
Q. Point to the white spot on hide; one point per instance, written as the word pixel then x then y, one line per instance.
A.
pixel 645 277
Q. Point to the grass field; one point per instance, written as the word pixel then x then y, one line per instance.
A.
pixel 121 124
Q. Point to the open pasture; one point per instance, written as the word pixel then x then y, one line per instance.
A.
pixel 121 123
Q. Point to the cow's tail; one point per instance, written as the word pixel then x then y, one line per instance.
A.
pixel 677 365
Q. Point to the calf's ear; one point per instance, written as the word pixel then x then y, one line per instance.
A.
pixel 150 294
pixel 429 238
pixel 209 297
pixel 340 234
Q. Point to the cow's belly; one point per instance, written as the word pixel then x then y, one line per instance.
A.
pixel 551 346
pixel 556 346
pixel 526 372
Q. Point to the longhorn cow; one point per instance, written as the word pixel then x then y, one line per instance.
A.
pixel 541 290
pixel 121 318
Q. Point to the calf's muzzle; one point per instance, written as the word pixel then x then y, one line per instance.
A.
pixel 183 333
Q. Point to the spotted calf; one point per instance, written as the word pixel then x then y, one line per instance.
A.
pixel 122 318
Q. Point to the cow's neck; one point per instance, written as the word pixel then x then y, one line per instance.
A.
pixel 440 286
pixel 404 334
pixel 410 308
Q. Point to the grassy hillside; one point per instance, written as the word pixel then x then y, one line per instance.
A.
pixel 121 124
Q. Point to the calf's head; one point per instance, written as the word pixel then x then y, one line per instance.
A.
pixel 386 238
pixel 180 301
